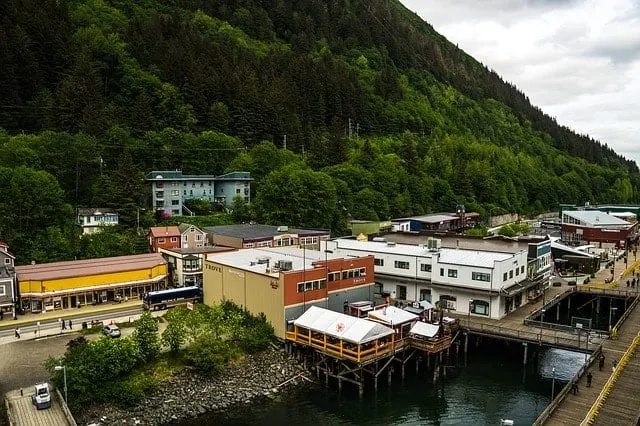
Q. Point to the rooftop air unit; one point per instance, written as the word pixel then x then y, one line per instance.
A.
pixel 434 244
pixel 285 265
pixel 262 260
pixel 283 228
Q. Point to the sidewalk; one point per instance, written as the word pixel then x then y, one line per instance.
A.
pixel 7 322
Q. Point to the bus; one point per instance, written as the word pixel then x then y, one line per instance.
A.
pixel 164 299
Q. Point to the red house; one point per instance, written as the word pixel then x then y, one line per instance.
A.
pixel 166 237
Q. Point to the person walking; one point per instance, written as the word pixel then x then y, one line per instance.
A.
pixel 70 325
pixel 574 387
pixel 64 325
pixel 601 362
pixel 589 378
pixel 17 332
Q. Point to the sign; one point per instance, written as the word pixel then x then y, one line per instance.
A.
pixel 416 305
pixel 578 325
pixel 275 284
pixel 190 306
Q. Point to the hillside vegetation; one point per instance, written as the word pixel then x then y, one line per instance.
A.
pixel 382 116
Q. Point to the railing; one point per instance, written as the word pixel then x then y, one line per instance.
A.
pixel 544 416
pixel 606 390
pixel 614 331
pixel 339 350
pixel 532 336
pixel 431 346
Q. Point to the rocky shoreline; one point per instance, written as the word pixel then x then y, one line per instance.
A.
pixel 187 394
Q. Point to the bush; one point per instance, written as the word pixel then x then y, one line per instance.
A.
pixel 174 336
pixel 210 354
pixel 146 336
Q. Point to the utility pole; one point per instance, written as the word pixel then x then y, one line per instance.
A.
pixel 349 128
pixel 357 130
pixel 285 142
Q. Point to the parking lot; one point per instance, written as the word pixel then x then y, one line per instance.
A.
pixel 25 413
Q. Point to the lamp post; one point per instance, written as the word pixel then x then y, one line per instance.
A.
pixel 541 321
pixel 553 382
pixel 64 375
pixel 469 314
pixel 611 309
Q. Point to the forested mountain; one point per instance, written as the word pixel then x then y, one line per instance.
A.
pixel 381 116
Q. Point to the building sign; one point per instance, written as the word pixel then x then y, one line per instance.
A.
pixel 275 284
pixel 216 268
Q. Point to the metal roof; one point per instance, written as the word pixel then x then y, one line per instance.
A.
pixel 341 326
pixel 95 211
pixel 595 218
pixel 81 268
pixel 163 175
pixel 431 218
pixel 164 231
pixel 472 257
pixel 424 329
pixel 248 231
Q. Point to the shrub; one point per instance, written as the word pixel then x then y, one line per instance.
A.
pixel 174 336
pixel 210 354
pixel 146 336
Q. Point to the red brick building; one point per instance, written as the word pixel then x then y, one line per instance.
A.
pixel 166 237
pixel 597 228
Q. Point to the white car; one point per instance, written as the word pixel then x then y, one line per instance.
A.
pixel 111 330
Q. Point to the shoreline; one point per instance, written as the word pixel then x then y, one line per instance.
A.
pixel 188 395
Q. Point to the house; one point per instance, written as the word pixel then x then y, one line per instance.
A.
pixel 191 236
pixel 166 237
pixel 170 189
pixel 8 293
pixel 90 220
pixel 62 285
pixel 253 235
pixel 580 227
pixel 484 283
pixel 186 264
pixel 437 222
pixel 284 282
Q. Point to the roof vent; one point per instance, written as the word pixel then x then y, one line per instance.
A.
pixel 434 244
pixel 391 244
pixel 285 265
pixel 262 260
pixel 283 228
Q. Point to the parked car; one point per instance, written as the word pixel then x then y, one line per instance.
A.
pixel 111 330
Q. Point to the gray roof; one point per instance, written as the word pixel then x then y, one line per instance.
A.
pixel 199 250
pixel 596 218
pixel 431 218
pixel 95 211
pixel 248 231
pixel 177 175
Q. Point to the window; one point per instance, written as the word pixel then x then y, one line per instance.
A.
pixel 160 240
pixel 175 202
pixel 425 267
pixel 448 302
pixel 517 271
pixel 510 274
pixel 504 276
pixel 237 190
pixel 425 294
pixel 522 269
pixel 399 264
pixel 185 184
pixel 480 276
pixel 311 285
pixel 175 212
pixel 174 239
pixel 479 307
pixel 378 262
pixel 3 291
pixel 442 272
pixel 198 237
pixel 334 276
pixel 7 261
pixel 175 192
pixel 201 184
pixel 452 273
pixel 191 192
pixel 185 192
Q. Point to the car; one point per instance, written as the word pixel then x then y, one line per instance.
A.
pixel 111 330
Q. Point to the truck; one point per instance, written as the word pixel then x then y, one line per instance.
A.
pixel 42 397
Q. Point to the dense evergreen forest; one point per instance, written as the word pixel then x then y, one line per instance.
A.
pixel 380 116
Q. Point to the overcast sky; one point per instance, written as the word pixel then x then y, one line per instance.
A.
pixel 578 60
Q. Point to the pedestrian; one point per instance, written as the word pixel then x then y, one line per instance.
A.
pixel 601 362
pixel 628 283
pixel 589 378
pixel 574 387
pixel 17 332
pixel 70 325
pixel 614 364
pixel 63 325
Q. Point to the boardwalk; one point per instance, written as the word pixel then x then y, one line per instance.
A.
pixel 622 406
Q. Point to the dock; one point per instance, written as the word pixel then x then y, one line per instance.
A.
pixel 22 412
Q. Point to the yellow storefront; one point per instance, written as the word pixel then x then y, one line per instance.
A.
pixel 62 285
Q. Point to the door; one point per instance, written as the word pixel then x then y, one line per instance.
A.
pixel 401 292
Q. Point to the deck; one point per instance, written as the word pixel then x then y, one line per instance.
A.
pixel 23 413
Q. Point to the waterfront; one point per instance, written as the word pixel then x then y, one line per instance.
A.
pixel 494 385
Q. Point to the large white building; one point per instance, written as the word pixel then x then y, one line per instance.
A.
pixel 487 283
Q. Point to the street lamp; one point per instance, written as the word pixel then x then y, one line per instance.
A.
pixel 611 309
pixel 553 382
pixel 64 375
pixel 541 321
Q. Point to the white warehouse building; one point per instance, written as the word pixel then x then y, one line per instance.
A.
pixel 485 283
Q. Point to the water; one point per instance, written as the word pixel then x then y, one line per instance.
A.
pixel 494 385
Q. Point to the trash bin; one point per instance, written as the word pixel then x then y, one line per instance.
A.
pixel 84 325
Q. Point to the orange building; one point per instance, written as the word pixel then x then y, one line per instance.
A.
pixel 283 283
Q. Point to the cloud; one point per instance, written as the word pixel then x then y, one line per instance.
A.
pixel 578 60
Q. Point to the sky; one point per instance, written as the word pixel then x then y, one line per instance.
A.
pixel 578 60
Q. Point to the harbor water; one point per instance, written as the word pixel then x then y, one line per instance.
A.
pixel 493 385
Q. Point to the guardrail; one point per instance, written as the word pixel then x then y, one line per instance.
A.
pixel 544 416
pixel 65 409
pixel 606 390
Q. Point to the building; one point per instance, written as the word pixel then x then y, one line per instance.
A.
pixel 185 264
pixel 438 222
pixel 253 235
pixel 170 189
pixel 90 220
pixel 283 283
pixel 165 237
pixel 191 236
pixel 487 283
pixel 62 285
pixel 580 227
pixel 8 293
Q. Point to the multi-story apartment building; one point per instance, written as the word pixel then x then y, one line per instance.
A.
pixel 170 189
pixel 8 294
